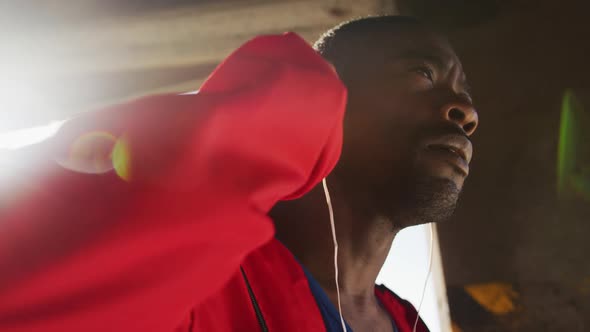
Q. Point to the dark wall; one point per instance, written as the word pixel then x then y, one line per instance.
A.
pixel 510 227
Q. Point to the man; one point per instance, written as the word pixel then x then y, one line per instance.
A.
pixel 405 156
pixel 174 236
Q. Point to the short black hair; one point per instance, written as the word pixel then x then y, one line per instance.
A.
pixel 335 43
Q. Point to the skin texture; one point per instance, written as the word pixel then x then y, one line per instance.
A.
pixel 407 97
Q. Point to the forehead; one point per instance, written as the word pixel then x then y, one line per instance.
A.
pixel 412 42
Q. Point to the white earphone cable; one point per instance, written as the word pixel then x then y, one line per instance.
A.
pixel 427 276
pixel 333 225
pixel 329 202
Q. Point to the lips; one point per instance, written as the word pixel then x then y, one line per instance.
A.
pixel 454 148
pixel 460 153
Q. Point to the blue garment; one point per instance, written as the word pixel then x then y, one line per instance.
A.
pixel 328 310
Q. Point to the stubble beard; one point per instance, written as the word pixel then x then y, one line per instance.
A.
pixel 424 200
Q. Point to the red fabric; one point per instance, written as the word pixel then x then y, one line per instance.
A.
pixel 84 249
pixel 402 312
pixel 284 297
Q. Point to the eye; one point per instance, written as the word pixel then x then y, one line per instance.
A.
pixel 425 71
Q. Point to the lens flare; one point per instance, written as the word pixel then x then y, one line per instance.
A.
pixel 91 153
pixel 122 159
pixel 99 152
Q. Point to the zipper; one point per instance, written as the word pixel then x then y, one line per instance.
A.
pixel 259 316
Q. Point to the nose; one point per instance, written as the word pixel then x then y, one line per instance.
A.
pixel 461 113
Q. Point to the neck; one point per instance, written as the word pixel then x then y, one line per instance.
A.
pixel 364 240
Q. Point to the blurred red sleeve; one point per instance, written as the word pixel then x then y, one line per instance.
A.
pixel 82 250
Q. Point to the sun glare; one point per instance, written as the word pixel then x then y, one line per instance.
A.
pixel 23 137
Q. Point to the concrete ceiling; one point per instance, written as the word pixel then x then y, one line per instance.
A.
pixel 71 56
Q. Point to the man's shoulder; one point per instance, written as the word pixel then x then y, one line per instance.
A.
pixel 401 310
pixel 386 295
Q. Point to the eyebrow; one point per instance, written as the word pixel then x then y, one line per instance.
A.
pixel 438 60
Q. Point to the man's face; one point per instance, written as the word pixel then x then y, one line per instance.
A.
pixel 409 115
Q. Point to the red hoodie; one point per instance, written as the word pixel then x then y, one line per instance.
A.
pixel 154 239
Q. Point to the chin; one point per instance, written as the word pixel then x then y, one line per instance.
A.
pixel 442 175
pixel 427 199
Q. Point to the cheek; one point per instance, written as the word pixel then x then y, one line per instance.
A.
pixel 377 145
pixel 381 127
